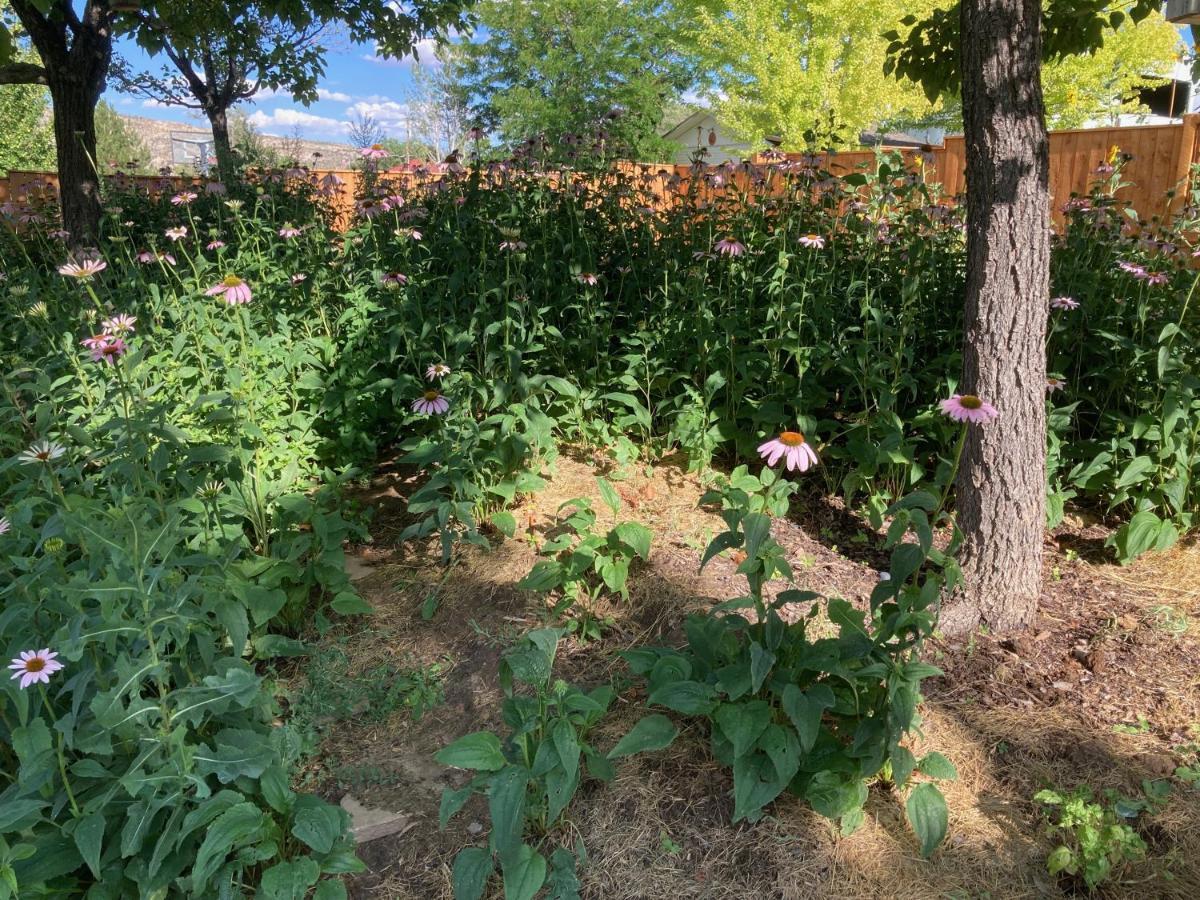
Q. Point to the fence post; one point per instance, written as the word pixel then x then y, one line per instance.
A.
pixel 1185 155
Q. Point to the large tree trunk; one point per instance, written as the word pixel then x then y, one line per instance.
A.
pixel 75 140
pixel 1001 490
pixel 222 145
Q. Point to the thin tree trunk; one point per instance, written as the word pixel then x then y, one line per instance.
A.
pixel 1001 490
pixel 227 169
pixel 74 112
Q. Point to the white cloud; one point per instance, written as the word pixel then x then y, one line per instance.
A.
pixel 336 96
pixel 424 53
pixel 288 120
pixel 155 104
pixel 391 115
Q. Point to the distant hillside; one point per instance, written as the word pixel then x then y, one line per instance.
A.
pixel 157 135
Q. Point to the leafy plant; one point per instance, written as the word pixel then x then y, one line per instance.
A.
pixel 1097 839
pixel 790 710
pixel 532 775
pixel 580 565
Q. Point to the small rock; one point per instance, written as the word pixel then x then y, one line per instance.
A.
pixel 1062 685
pixel 474 828
pixel 367 824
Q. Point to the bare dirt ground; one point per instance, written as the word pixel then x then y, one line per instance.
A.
pixel 1105 690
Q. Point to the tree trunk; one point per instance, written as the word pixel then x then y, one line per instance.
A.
pixel 1001 490
pixel 227 169
pixel 74 105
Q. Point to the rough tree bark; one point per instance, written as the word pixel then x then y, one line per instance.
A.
pixel 1001 490
pixel 222 145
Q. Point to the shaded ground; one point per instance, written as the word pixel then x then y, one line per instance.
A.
pixel 1104 690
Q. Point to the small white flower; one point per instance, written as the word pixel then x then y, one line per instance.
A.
pixel 42 452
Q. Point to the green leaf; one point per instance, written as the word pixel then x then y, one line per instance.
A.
pixel 348 603
pixel 653 732
pixel 506 803
pixel 757 529
pixel 937 766
pixel 452 802
pixel 524 873
pixel 609 495
pixel 329 889
pixel 228 830
pixel 761 661
pixel 805 710
pixel 636 537
pixel 472 868
pixel 317 823
pixel 262 602
pixel 505 522
pixel 479 751
pixel 742 723
pixel 289 880
pixel 903 763
pixel 688 697
pixel 89 837
pixel 566 743
pixel 1060 859
pixel 927 813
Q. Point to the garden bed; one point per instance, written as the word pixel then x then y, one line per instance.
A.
pixel 1101 691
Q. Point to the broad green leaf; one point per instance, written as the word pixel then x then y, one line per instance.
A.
pixel 472 868
pixel 524 873
pixel 653 732
pixel 688 697
pixel 479 751
pixel 317 823
pixel 452 802
pixel 636 537
pixel 928 816
pixel 609 495
pixel 505 522
pixel 566 742
pixel 348 603
pixel 227 831
pixel 289 880
pixel 937 766
pixel 761 661
pixel 89 838
pixel 805 710
pixel 742 723
pixel 506 803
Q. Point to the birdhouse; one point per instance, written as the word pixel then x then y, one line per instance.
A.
pixel 1183 12
pixel 712 134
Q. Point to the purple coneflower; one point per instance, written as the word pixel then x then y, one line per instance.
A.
pixel 814 241
pixel 214 245
pixel 394 279
pixel 176 234
pixel 120 324
pixel 513 246
pixel 1066 303
pixel 1055 384
pixel 1132 268
pixel 431 403
pixel 85 269
pixel 107 348
pixel 797 453
pixel 5 525
pixel 299 278
pixel 60 234
pixel 969 408
pixel 729 247
pixel 233 289
pixel 289 231
pixel 375 151
pixel 587 278
pixel 437 370
pixel 183 198
pixel 33 666
pixel 1153 278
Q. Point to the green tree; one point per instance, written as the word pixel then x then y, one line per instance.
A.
pixel 572 68
pixel 117 144
pixel 27 138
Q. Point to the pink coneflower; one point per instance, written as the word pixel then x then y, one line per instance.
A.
pixel 797 453
pixel 120 324
pixel 33 666
pixel 394 279
pixel 729 247
pixel 475 134
pixel 969 408
pixel 375 151
pixel 437 370
pixel 41 452
pixel 1066 303
pixel 330 182
pixel 289 231
pixel 5 525
pixel 299 278
pixel 84 270
pixel 215 188
pixel 587 278
pixel 183 198
pixel 1132 268
pixel 369 209
pixel 60 234
pixel 1055 384
pixel 146 257
pixel 408 233
pixel 232 289
pixel 815 241
pixel 176 234
pixel 214 245
pixel 1154 278
pixel 431 403
pixel 106 348
pixel 513 246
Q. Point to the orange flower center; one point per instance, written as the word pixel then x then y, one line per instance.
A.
pixel 791 438
pixel 231 281
pixel 970 401
pixel 35 665
pixel 432 395
pixel 377 146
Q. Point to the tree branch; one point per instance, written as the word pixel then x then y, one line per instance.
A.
pixel 22 73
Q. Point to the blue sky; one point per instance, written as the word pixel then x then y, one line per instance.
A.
pixel 356 81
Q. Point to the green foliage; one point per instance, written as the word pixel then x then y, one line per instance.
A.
pixel 580 566
pixel 788 709
pixel 1097 839
pixel 118 146
pixel 591 77
pixel 27 139
pixel 531 776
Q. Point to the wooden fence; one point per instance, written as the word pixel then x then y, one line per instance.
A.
pixel 1160 160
